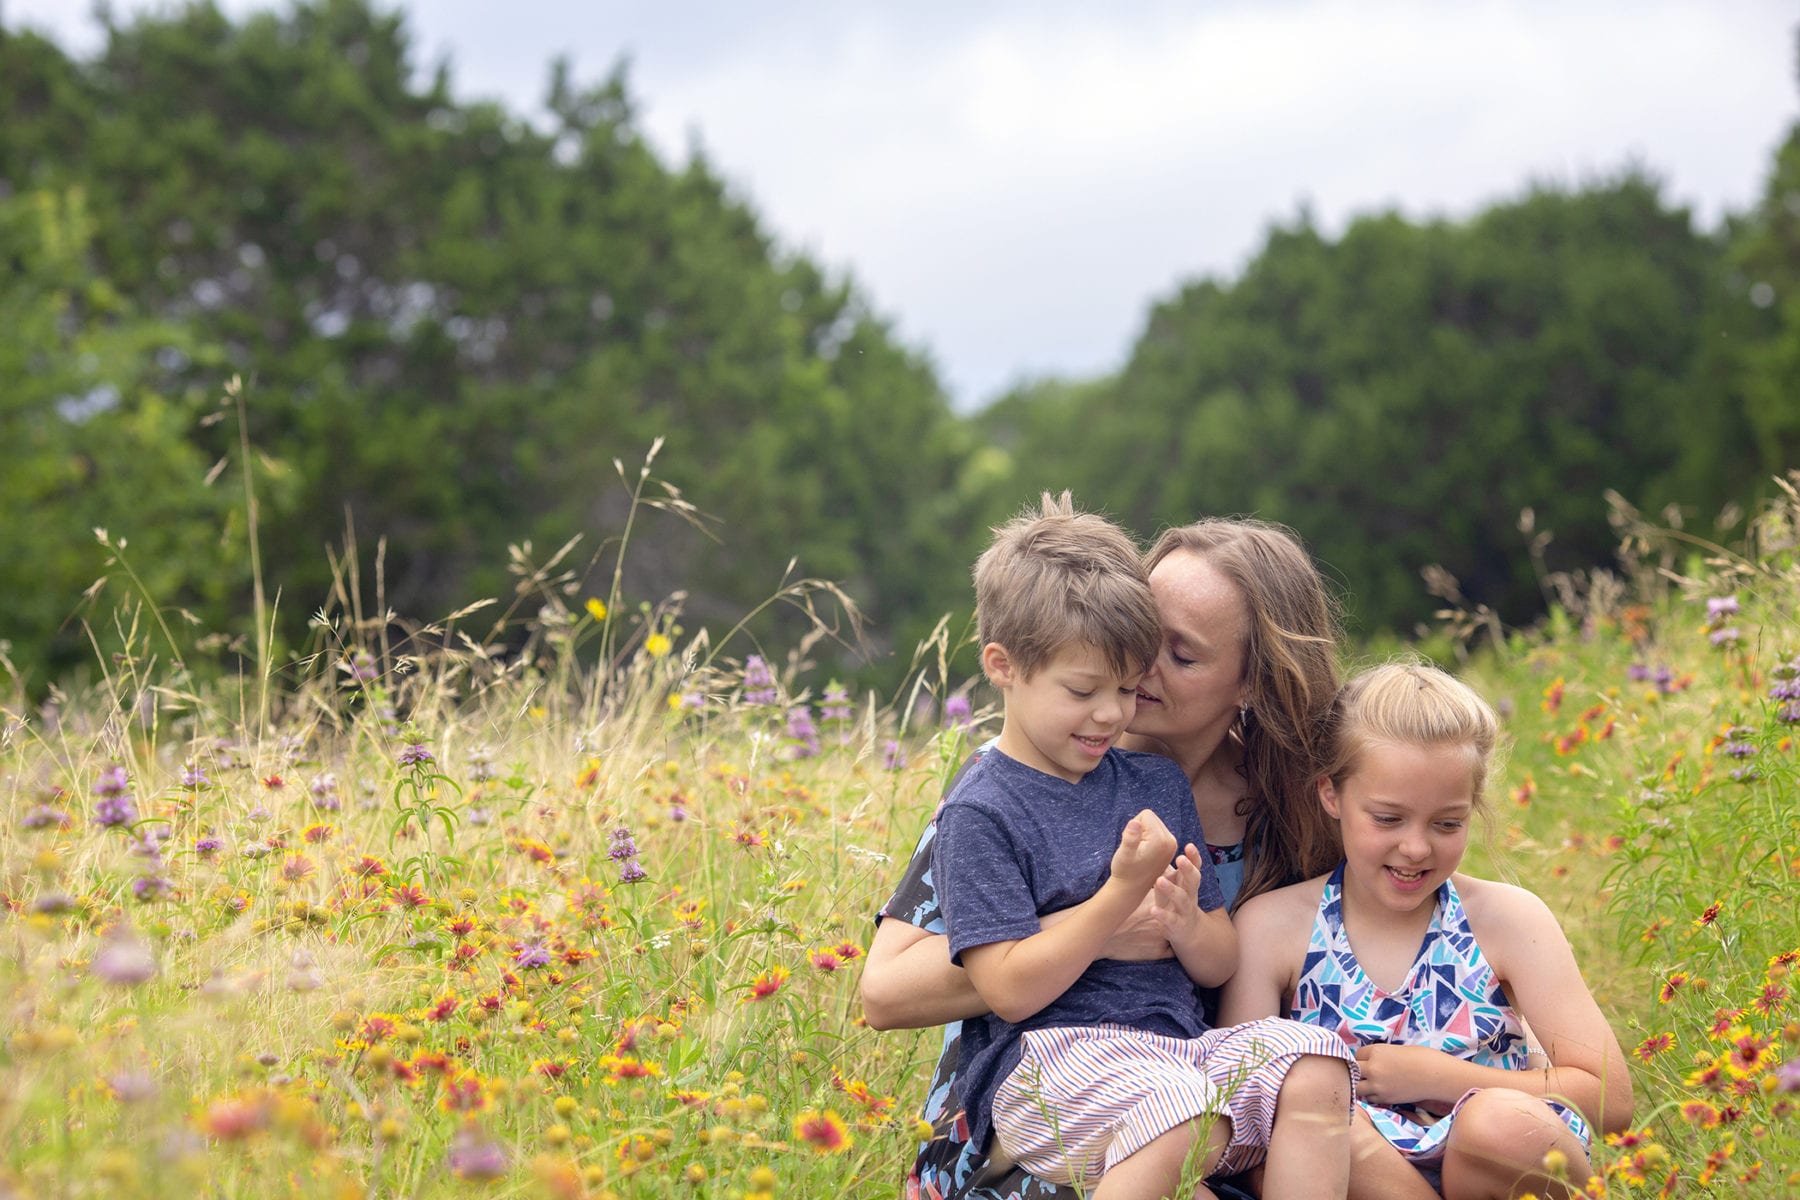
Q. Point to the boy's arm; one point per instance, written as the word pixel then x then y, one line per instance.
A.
pixel 1202 939
pixel 1019 977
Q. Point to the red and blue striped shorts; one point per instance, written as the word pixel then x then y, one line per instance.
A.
pixel 1084 1098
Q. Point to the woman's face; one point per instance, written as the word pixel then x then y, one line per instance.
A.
pixel 1192 692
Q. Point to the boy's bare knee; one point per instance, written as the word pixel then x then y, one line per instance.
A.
pixel 1316 1083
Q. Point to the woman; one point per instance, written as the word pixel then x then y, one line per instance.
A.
pixel 1238 697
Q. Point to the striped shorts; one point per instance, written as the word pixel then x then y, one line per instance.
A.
pixel 1083 1098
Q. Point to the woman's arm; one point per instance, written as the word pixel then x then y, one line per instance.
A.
pixel 908 981
pixel 1526 947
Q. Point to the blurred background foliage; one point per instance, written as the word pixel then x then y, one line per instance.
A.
pixel 451 320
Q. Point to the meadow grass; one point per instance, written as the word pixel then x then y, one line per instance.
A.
pixel 584 918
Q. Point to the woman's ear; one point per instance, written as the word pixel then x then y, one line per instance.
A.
pixel 997 665
pixel 1328 797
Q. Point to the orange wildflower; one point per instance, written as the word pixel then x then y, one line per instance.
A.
pixel 823 1131
pixel 765 985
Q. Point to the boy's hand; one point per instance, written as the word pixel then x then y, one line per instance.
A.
pixel 1145 849
pixel 1175 899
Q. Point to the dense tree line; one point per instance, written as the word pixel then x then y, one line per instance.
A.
pixel 451 320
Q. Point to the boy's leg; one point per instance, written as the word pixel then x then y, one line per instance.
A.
pixel 1497 1148
pixel 1154 1172
pixel 1309 1145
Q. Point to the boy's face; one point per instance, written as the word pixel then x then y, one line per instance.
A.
pixel 1067 714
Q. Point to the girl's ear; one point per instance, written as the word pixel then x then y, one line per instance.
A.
pixel 1328 797
pixel 997 665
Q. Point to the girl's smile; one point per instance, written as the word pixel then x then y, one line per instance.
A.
pixel 1404 813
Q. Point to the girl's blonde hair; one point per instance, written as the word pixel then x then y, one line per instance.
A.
pixel 1411 704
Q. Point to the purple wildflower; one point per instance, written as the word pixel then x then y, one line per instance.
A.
pixel 835 704
pixel 802 732
pixel 53 904
pixel 1789 713
pixel 1637 673
pixel 622 845
pixel 131 1087
pixel 481 765
pixel 474 1155
pixel 1720 607
pixel 1727 636
pixel 194 778
pixel 1787 1079
pixel 414 755
pixel 759 684
pixel 892 756
pixel 43 817
pixel 631 872
pixel 207 845
pixel 125 960
pixel 148 888
pixel 957 712
pixel 1665 678
pixel 1738 749
pixel 112 782
pixel 114 811
pixel 359 667
pixel 530 956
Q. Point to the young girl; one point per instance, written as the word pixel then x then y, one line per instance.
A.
pixel 1427 972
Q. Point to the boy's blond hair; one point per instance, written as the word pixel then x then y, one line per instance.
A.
pixel 1412 704
pixel 1053 577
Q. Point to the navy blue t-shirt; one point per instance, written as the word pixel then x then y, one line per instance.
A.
pixel 1013 844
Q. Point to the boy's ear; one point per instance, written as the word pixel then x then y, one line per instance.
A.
pixel 1328 797
pixel 997 665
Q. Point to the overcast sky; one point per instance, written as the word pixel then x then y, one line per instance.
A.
pixel 1014 183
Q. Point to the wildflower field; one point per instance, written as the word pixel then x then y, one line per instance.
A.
pixel 584 918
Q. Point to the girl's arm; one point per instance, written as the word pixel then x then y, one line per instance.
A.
pixel 1271 932
pixel 1524 944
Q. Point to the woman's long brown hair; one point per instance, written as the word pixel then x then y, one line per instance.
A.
pixel 1291 677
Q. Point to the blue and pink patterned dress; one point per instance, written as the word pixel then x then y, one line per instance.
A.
pixel 1451 1001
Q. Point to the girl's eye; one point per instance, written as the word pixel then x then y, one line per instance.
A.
pixel 1128 691
pixel 1385 819
pixel 1450 826
pixel 1079 695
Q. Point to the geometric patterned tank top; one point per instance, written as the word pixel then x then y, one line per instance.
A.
pixel 1451 1001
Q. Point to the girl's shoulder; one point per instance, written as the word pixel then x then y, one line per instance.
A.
pixel 1504 914
pixel 1285 908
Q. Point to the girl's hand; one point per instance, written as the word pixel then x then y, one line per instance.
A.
pixel 1394 1075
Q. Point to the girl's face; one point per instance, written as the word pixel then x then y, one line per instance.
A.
pixel 1404 812
pixel 1192 692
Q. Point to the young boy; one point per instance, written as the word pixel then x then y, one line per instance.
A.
pixel 1089 1067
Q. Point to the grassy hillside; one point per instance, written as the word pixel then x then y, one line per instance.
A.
pixel 408 918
